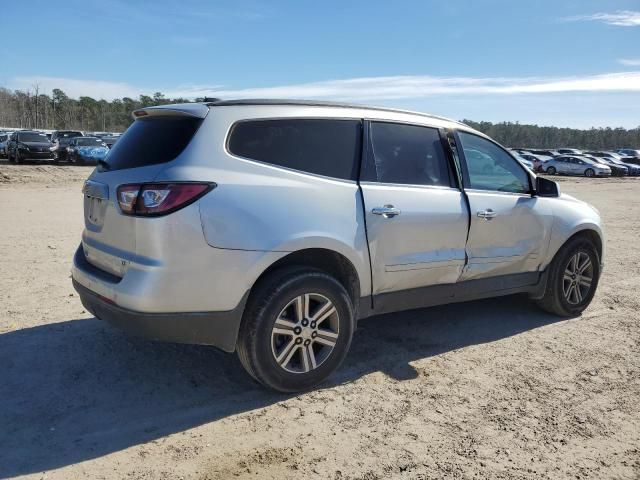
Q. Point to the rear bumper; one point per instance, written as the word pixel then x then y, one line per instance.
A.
pixel 219 329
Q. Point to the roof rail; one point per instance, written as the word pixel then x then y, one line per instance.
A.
pixel 318 103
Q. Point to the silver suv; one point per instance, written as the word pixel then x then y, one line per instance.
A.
pixel 272 227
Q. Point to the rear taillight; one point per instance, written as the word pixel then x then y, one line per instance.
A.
pixel 153 199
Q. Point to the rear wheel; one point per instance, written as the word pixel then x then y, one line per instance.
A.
pixel 589 172
pixel 296 330
pixel 573 278
pixel 551 170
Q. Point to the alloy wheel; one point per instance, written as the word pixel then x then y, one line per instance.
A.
pixel 577 278
pixel 305 333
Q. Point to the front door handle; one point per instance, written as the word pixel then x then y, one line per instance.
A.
pixel 388 211
pixel 487 214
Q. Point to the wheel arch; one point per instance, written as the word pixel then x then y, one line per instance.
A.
pixel 329 261
pixel 591 233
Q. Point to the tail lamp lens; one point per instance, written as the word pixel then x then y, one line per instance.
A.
pixel 153 199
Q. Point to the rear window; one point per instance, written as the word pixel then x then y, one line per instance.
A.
pixel 153 140
pixel 323 147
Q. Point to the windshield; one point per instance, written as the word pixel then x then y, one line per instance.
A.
pixel 33 137
pixel 89 142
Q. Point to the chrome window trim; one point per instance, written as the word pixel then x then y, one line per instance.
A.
pixel 409 185
pixel 497 192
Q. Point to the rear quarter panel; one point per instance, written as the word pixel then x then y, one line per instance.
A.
pixel 259 207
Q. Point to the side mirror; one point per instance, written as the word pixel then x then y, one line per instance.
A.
pixel 547 188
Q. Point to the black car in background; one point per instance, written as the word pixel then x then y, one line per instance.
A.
pixel 28 145
pixel 61 139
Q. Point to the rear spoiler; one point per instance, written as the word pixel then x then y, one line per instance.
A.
pixel 193 110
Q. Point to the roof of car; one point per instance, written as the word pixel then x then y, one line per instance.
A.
pixel 319 103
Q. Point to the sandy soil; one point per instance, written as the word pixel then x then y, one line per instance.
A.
pixel 490 389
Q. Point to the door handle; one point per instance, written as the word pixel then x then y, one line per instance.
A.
pixel 388 211
pixel 487 214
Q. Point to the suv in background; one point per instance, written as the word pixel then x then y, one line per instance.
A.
pixel 61 139
pixel 272 227
pixel 28 145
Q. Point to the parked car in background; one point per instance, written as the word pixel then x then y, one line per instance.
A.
pixel 574 165
pixel 629 152
pixel 526 162
pixel 260 227
pixel 110 140
pixel 633 169
pixel 569 151
pixel 616 159
pixel 86 149
pixel 537 160
pixel 546 153
pixel 61 139
pixel 28 145
pixel 631 160
pixel 616 170
pixel 4 139
pixel 603 154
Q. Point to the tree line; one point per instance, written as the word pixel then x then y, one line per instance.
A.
pixel 533 136
pixel 58 111
pixel 34 109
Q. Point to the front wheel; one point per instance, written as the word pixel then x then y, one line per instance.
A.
pixel 589 172
pixel 551 170
pixel 296 330
pixel 573 278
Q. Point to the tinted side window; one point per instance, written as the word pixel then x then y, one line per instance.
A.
pixel 491 168
pixel 407 154
pixel 152 140
pixel 323 147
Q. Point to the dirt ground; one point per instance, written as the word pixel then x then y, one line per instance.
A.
pixel 488 389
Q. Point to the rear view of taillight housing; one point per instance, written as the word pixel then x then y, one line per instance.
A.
pixel 155 199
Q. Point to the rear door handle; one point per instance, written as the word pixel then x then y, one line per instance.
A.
pixel 487 214
pixel 388 211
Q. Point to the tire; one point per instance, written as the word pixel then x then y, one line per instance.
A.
pixel 19 159
pixel 555 299
pixel 589 172
pixel 551 170
pixel 10 158
pixel 276 360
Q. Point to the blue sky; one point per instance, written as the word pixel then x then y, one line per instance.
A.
pixel 561 62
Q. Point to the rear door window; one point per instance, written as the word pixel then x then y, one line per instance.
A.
pixel 406 154
pixel 329 147
pixel 152 140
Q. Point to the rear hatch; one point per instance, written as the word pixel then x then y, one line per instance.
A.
pixel 157 136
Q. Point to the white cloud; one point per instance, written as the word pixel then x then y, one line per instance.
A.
pixel 620 18
pixel 629 62
pixel 355 89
